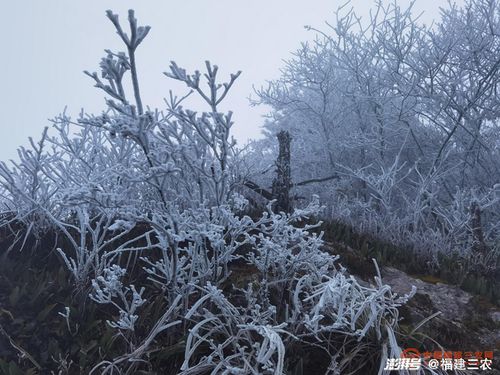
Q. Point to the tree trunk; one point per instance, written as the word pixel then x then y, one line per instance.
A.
pixel 283 182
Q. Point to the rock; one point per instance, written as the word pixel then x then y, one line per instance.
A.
pixel 450 300
pixel 465 322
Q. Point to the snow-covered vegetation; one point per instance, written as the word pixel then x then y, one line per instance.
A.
pixel 157 191
pixel 402 119
pixel 395 132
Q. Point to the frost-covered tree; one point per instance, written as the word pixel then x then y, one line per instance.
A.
pixel 403 117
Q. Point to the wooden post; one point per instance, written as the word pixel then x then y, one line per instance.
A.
pixel 283 182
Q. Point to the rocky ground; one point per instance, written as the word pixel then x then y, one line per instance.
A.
pixel 460 320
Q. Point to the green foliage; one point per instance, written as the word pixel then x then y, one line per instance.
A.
pixel 34 288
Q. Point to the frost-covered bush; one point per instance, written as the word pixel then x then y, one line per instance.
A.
pixel 152 229
pixel 26 189
pixel 400 119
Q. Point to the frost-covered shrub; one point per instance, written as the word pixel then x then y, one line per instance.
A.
pixel 153 229
pixel 26 189
pixel 108 287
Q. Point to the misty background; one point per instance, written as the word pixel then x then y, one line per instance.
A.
pixel 47 45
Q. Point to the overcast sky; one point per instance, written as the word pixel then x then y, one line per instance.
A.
pixel 48 43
